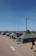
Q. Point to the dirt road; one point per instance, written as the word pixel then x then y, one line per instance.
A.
pixel 8 47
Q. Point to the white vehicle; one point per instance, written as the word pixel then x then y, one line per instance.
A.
pixel 7 34
pixel 3 33
pixel 13 35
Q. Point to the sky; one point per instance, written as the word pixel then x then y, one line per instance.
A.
pixel 13 15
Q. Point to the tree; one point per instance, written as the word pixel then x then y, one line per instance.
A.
pixel 28 31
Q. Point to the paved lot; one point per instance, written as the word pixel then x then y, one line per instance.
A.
pixel 8 47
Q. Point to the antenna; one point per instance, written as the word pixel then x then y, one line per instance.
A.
pixel 26 23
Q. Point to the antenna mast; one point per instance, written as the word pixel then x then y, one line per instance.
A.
pixel 26 23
